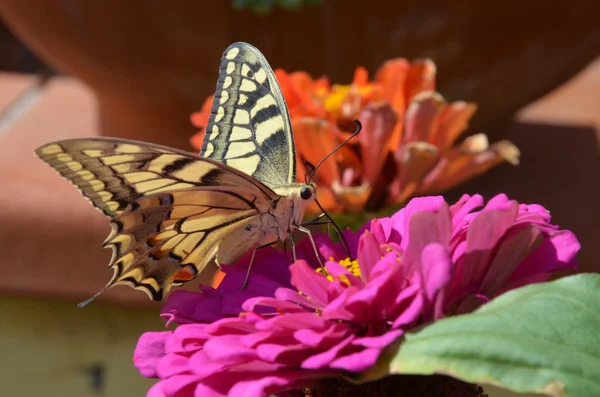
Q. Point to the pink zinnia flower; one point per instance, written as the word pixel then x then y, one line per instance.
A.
pixel 428 261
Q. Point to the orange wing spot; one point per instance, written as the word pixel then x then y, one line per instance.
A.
pixel 184 275
pixel 153 241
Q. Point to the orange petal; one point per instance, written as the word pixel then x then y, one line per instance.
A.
pixel 298 92
pixel 352 198
pixel 197 139
pixel 378 122
pixel 473 157
pixel 200 120
pixel 302 83
pixel 421 77
pixel 327 200
pixel 315 139
pixel 351 105
pixel 391 77
pixel 290 93
pixel 413 161
pixel 454 121
pixel 423 117
pixel 321 87
pixel 361 76
pixel 349 164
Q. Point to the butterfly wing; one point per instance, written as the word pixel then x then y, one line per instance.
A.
pixel 170 209
pixel 249 125
pixel 168 238
pixel 112 173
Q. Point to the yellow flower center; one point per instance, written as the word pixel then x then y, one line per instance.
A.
pixel 339 93
pixel 348 264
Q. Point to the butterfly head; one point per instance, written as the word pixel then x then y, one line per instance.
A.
pixel 301 193
pixel 308 192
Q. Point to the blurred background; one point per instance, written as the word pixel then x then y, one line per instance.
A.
pixel 138 69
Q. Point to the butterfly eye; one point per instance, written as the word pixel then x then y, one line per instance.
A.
pixel 305 193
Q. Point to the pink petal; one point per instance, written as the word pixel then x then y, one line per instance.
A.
pixel 337 308
pixel 322 360
pixel 293 296
pixel 227 347
pixel 380 341
pixel 369 253
pixel 427 228
pixel 556 252
pixel 186 307
pixel 315 339
pixel 202 366
pixel 328 249
pixel 148 352
pixel 381 229
pixel 176 386
pixel 436 269
pixel 273 303
pixel 306 280
pixel 515 247
pixel 464 206
pixel 357 362
pixel 409 306
pixel 292 322
pixel 483 234
pixel 255 338
pixel 285 352
pixel 172 364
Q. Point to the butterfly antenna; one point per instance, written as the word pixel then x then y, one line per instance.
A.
pixel 310 174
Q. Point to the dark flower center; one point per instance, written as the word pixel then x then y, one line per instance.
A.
pixel 396 385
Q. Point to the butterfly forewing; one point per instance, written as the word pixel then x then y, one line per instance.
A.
pixel 112 173
pixel 170 209
pixel 249 125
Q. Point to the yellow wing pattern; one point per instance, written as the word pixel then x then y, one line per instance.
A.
pixel 249 126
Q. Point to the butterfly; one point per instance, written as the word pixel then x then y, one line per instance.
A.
pixel 172 213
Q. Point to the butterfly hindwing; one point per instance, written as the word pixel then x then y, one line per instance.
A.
pixel 168 238
pixel 112 173
pixel 249 125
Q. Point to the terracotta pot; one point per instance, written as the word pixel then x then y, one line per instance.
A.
pixel 152 63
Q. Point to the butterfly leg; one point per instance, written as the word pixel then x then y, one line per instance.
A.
pixel 318 223
pixel 252 259
pixel 293 244
pixel 315 219
pixel 337 230
pixel 312 242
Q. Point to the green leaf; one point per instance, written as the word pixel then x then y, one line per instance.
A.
pixel 540 338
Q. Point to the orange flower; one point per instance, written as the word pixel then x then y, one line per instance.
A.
pixel 407 144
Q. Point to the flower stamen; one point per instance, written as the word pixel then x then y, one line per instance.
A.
pixel 348 264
